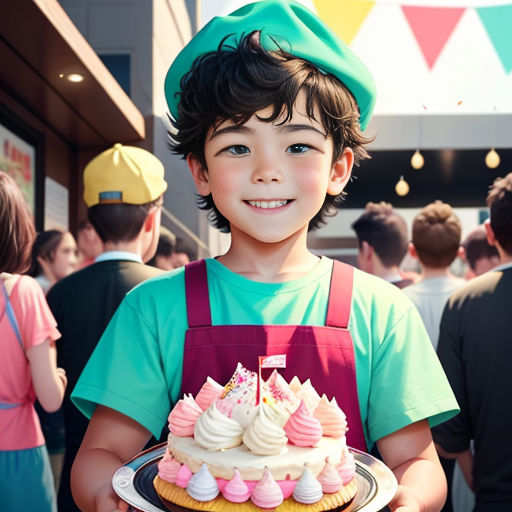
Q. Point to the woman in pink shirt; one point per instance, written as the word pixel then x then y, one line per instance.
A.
pixel 28 366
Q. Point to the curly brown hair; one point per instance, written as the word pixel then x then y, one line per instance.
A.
pixel 235 83
pixel 436 233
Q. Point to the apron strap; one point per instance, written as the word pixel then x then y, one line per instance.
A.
pixel 11 316
pixel 340 295
pixel 198 299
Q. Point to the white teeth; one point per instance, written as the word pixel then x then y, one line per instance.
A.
pixel 268 204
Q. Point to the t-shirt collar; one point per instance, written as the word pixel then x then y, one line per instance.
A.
pixel 118 255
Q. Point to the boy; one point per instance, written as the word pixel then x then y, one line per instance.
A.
pixel 123 189
pixel 382 238
pixel 436 232
pixel 270 140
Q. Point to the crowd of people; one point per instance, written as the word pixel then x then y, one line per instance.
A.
pixel 89 328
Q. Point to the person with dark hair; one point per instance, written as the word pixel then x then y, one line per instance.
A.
pixel 268 107
pixel 479 255
pixel 53 257
pixel 88 243
pixel 382 240
pixel 28 367
pixel 123 189
pixel 475 351
pixel 183 254
pixel 164 250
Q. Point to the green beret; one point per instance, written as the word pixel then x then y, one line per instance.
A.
pixel 293 28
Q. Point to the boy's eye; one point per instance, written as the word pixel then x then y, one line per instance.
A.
pixel 238 149
pixel 298 148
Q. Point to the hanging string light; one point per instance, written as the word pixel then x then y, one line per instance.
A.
pixel 402 187
pixel 492 159
pixel 417 160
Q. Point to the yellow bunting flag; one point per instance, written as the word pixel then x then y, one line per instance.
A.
pixel 345 18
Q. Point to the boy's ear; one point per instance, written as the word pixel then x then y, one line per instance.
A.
pixel 491 238
pixel 150 220
pixel 199 174
pixel 412 251
pixel 366 250
pixel 340 172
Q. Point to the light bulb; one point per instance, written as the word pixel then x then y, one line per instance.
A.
pixel 492 159
pixel 402 187
pixel 417 160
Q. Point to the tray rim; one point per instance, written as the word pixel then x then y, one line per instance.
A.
pixel 123 479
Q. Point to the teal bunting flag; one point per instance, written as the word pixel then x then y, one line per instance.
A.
pixel 497 21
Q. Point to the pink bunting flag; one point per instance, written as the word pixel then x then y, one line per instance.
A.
pixel 432 27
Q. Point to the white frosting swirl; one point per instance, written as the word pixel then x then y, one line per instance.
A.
pixel 263 436
pixel 215 431
pixel 202 486
pixel 243 414
pixel 308 489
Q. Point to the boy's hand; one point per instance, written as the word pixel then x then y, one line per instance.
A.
pixel 404 500
pixel 108 501
pixel 411 455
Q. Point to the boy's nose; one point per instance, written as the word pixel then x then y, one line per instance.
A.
pixel 267 171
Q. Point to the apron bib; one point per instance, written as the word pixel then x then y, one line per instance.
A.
pixel 324 354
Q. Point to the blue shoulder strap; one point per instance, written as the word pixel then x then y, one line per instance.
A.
pixel 11 316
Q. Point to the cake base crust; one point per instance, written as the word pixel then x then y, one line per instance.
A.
pixel 178 500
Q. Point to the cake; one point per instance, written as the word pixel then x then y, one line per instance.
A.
pixel 237 447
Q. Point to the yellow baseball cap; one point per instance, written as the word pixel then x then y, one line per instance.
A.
pixel 123 174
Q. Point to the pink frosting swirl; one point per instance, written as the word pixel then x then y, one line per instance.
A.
pixel 209 391
pixel 183 477
pixel 331 417
pixel 329 479
pixel 287 486
pixel 347 468
pixel 302 429
pixel 184 416
pixel 236 490
pixel 267 493
pixel 168 468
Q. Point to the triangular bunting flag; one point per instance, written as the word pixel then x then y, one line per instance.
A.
pixel 345 18
pixel 432 27
pixel 497 21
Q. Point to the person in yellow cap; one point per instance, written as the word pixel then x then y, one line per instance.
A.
pixel 123 189
pixel 268 106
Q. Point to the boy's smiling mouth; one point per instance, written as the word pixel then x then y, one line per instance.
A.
pixel 274 203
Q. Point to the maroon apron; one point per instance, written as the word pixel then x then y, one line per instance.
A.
pixel 324 354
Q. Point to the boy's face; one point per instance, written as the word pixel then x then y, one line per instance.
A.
pixel 270 180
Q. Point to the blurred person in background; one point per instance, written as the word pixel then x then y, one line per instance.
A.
pixel 478 254
pixel 28 366
pixel 88 242
pixel 183 254
pixel 123 188
pixel 476 353
pixel 54 256
pixel 436 234
pixel 383 241
pixel 164 251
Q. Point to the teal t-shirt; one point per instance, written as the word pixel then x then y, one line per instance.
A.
pixel 136 368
